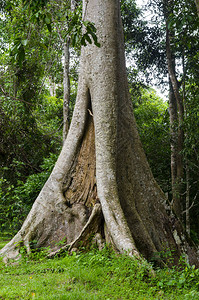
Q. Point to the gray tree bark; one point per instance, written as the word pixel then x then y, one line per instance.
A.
pixel 173 115
pixel 66 85
pixel 197 6
pixel 102 183
pixel 176 111
pixel 66 80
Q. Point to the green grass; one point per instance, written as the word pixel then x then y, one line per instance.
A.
pixel 94 275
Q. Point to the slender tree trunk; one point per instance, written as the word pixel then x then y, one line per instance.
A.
pixel 14 86
pixel 66 85
pixel 174 147
pixel 176 119
pixel 188 229
pixel 74 4
pixel 187 171
pixel 51 86
pixel 66 80
pixel 197 6
pixel 102 183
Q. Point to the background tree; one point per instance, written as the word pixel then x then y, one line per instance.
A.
pixel 60 11
pixel 152 118
pixel 181 26
pixel 180 31
pixel 26 114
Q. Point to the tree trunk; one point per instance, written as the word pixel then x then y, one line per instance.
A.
pixel 187 169
pixel 197 6
pixel 174 147
pixel 188 229
pixel 51 86
pixel 66 85
pixel 66 79
pixel 177 134
pixel 102 183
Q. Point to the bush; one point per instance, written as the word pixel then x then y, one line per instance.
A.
pixel 17 201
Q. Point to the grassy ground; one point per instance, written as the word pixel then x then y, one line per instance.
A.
pixel 94 275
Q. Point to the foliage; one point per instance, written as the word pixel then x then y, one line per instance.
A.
pixel 149 52
pixel 39 14
pixel 144 42
pixel 23 90
pixel 78 36
pixel 30 119
pixel 151 115
pixel 16 201
pixel 48 116
pixel 21 134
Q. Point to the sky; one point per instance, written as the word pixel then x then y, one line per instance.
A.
pixel 141 2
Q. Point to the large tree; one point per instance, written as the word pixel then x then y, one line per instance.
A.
pixel 101 185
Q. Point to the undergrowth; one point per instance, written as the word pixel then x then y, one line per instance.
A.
pixel 94 275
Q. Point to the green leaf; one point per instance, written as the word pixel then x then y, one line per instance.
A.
pixel 75 40
pixel 21 56
pixel 91 28
pixel 83 41
pixel 47 20
pixel 49 27
pixel 24 42
pixel 95 39
pixel 88 38
pixel 97 44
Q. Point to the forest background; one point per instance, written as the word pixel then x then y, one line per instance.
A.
pixel 33 77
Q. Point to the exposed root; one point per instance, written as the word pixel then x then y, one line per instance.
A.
pixel 91 227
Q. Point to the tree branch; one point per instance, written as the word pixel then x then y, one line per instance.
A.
pixel 14 98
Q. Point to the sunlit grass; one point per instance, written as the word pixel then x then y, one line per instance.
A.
pixel 94 275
